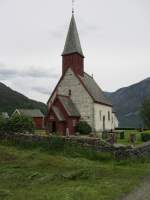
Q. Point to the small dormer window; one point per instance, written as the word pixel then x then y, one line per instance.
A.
pixel 69 92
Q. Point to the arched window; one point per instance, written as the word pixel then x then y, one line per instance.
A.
pixel 100 115
pixel 69 92
pixel 108 116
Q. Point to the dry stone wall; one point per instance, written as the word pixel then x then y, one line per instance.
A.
pixel 119 152
pixel 134 153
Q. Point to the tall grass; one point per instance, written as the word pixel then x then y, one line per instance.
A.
pixel 57 145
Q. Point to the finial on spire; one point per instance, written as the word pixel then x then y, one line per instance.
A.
pixel 73 1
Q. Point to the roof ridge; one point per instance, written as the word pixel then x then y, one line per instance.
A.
pixel 102 99
pixel 88 75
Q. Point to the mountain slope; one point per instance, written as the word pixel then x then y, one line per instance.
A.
pixel 10 100
pixel 127 102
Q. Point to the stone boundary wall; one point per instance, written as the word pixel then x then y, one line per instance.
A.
pixel 120 152
pixel 93 143
pixel 142 151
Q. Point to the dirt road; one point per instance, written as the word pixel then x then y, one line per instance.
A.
pixel 140 193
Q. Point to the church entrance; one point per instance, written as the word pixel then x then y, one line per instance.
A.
pixel 104 127
pixel 53 126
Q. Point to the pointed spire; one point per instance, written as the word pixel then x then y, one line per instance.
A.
pixel 72 44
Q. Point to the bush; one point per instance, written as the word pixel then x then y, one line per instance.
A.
pixel 83 128
pixel 3 123
pixel 17 124
pixel 21 124
pixel 145 137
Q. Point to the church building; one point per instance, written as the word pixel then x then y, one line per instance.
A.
pixel 77 96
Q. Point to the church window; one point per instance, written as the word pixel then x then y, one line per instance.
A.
pixel 69 92
pixel 100 115
pixel 108 116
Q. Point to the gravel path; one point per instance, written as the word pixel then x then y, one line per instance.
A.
pixel 140 193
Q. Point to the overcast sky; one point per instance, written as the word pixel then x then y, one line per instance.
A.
pixel 114 34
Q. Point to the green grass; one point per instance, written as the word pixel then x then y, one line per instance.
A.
pixel 126 140
pixel 32 173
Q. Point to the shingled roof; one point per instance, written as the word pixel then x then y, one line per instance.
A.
pixel 58 113
pixel 72 44
pixel 94 90
pixel 69 106
pixel 30 112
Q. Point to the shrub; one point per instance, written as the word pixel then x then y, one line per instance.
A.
pixel 3 124
pixel 83 128
pixel 21 123
pixel 145 137
pixel 16 124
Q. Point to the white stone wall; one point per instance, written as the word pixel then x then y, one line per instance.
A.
pixel 90 111
pixel 98 121
pixel 80 96
pixel 115 123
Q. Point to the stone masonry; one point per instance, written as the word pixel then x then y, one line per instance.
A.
pixel 79 96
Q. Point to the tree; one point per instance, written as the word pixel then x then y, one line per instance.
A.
pixel 83 127
pixel 145 112
pixel 21 123
pixel 3 123
pixel 17 124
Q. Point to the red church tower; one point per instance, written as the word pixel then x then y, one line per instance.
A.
pixel 72 55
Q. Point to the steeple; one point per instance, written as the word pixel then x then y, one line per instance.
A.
pixel 72 54
pixel 72 44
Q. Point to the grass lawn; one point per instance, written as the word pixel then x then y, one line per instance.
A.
pixel 126 140
pixel 127 133
pixel 35 174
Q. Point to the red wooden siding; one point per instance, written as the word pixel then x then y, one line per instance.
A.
pixel 38 122
pixel 61 126
pixel 75 62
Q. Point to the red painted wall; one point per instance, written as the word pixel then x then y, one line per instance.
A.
pixel 38 121
pixel 62 126
pixel 75 62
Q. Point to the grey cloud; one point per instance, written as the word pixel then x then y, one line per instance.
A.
pixel 39 73
pixel 58 33
pixel 33 72
pixel 42 90
pixel 6 72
